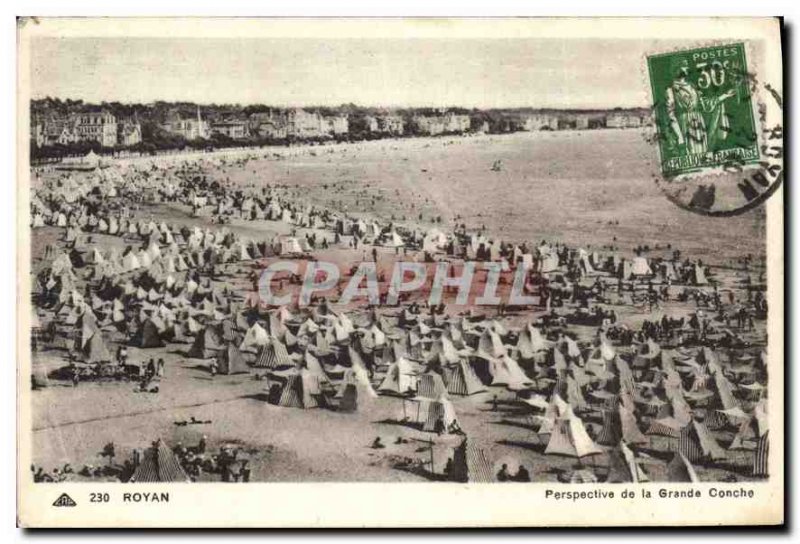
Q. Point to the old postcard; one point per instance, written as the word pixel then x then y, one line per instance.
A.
pixel 400 272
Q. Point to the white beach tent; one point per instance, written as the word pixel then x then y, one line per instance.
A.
pixel 569 437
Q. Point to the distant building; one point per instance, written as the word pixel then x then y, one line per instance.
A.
pixel 305 124
pixel 99 126
pixel 385 124
pixel 268 125
pixel 432 125
pixel 479 126
pixel 391 124
pixel 190 128
pixel 623 120
pixel 539 121
pixel 582 122
pixel 336 125
pixel 456 123
pixel 427 124
pixel 129 133
pixel 232 128
pixel 371 124
pixel 60 132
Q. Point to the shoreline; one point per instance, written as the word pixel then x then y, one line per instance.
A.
pixel 299 148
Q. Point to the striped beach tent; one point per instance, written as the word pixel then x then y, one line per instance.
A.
pixel 697 443
pixel 430 411
pixel 470 464
pixel 761 458
pixel 158 464
pixel 620 424
pixel 299 390
pixel 274 355
pixel 462 380
pixel 431 386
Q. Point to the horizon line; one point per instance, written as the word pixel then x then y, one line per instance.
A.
pixel 371 106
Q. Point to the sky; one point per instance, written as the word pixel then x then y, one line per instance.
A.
pixel 418 72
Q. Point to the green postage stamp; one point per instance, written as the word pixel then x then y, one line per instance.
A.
pixel 703 110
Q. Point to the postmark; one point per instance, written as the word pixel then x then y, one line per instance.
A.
pixel 719 129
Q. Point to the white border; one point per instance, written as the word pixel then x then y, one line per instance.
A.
pixel 302 7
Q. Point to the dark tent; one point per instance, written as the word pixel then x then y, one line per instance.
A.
pixel 206 344
pixel 230 361
pixel 148 336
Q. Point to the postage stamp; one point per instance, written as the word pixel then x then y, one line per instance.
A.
pixel 703 109
pixel 718 116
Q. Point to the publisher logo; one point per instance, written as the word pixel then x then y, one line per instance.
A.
pixel 65 500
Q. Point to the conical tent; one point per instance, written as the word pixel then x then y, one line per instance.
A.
pixel 506 371
pixel 86 325
pixel 680 470
pixel 444 348
pixel 206 344
pixel 274 355
pixel 400 378
pixel 231 361
pixel 354 388
pixel 752 429
pixel 490 345
pixel 531 342
pixel 392 240
pixel 148 335
pixel 620 424
pixel 158 464
pixel 430 386
pixel 300 390
pixel 430 412
pixel 462 380
pixel 95 350
pixel 697 443
pixel 569 437
pixel 255 337
pixel 470 464
pixel 622 466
